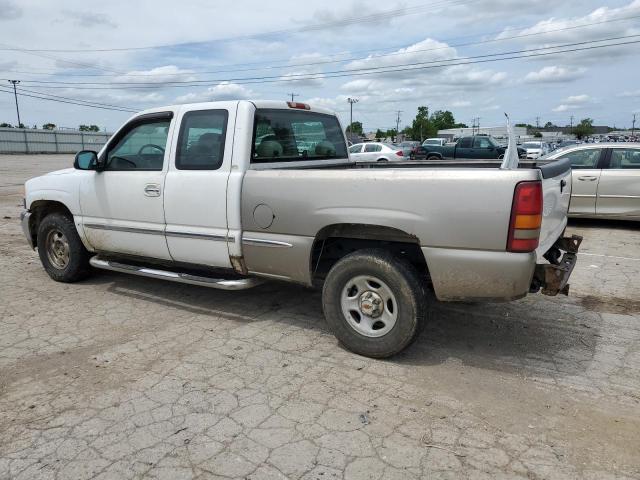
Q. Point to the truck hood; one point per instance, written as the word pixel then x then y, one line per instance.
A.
pixel 64 171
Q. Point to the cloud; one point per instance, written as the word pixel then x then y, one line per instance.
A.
pixel 602 23
pixel 221 91
pixel 629 94
pixel 9 10
pixel 166 73
pixel 460 103
pixel 577 99
pixel 427 50
pixel 300 78
pixel 573 102
pixel 554 74
pixel 86 19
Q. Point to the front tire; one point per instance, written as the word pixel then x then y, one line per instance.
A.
pixel 61 251
pixel 374 303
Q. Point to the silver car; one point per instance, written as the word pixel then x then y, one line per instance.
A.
pixel 536 149
pixel 605 179
pixel 376 152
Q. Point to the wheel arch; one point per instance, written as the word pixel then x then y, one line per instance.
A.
pixel 335 241
pixel 40 209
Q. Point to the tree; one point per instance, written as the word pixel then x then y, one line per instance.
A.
pixel 49 126
pixel 421 127
pixel 549 125
pixel 89 128
pixel 584 128
pixel 442 120
pixel 537 135
pixel 5 125
pixel 355 127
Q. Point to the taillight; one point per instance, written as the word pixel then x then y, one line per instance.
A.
pixel 400 153
pixel 526 217
pixel 301 106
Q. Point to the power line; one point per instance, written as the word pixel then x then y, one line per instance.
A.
pixel 78 102
pixel 516 54
pixel 289 65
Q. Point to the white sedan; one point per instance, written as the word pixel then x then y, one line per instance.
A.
pixel 376 152
pixel 536 149
pixel 605 179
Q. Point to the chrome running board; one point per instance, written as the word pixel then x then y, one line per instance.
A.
pixel 219 283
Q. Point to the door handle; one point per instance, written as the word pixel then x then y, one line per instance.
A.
pixel 587 178
pixel 152 190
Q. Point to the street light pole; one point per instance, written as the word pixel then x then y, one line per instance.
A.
pixel 351 102
pixel 15 82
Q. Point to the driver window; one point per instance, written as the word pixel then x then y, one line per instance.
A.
pixel 142 148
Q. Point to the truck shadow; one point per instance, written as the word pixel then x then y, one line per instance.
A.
pixel 535 336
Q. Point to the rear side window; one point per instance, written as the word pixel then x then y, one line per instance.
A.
pixel 625 158
pixel 201 140
pixel 465 142
pixel 294 135
pixel 587 158
pixel 355 149
pixel 372 147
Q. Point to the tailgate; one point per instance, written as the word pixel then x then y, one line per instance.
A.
pixel 556 191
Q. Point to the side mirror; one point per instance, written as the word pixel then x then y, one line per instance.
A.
pixel 86 160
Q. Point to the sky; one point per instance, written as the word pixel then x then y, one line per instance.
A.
pixel 390 56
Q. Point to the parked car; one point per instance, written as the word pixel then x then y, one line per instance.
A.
pixel 408 146
pixel 474 147
pixel 435 141
pixel 192 194
pixel 567 143
pixel 535 149
pixel 376 152
pixel 605 180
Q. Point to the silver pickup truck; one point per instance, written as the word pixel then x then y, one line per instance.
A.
pixel 228 194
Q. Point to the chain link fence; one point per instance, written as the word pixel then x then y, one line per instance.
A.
pixel 26 140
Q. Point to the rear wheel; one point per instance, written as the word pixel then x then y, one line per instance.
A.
pixel 433 157
pixel 383 160
pixel 61 251
pixel 374 303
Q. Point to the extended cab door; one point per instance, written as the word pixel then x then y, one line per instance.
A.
pixel 196 185
pixel 483 147
pixel 121 205
pixel 586 165
pixel 619 186
pixel 464 148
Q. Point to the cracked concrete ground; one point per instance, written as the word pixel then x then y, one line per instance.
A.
pixel 122 377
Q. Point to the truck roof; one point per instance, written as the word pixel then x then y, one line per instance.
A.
pixel 272 104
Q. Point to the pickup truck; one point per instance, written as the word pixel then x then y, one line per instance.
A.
pixel 475 147
pixel 230 194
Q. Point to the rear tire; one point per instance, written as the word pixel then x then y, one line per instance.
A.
pixel 383 160
pixel 433 157
pixel 61 251
pixel 391 293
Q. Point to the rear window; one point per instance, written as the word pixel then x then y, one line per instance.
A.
pixel 293 135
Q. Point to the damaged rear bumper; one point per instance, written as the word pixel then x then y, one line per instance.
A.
pixel 553 278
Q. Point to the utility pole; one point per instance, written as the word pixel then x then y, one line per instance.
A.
pixel 571 129
pixel 293 95
pixel 537 122
pixel 351 102
pixel 15 82
pixel 633 125
pixel 398 123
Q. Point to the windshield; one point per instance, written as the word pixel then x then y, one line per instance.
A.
pixel 531 145
pixel 292 135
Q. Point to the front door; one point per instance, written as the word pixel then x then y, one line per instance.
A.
pixel 619 186
pixel 122 206
pixel 585 175
pixel 196 186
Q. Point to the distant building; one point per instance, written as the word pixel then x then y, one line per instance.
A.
pixel 496 132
